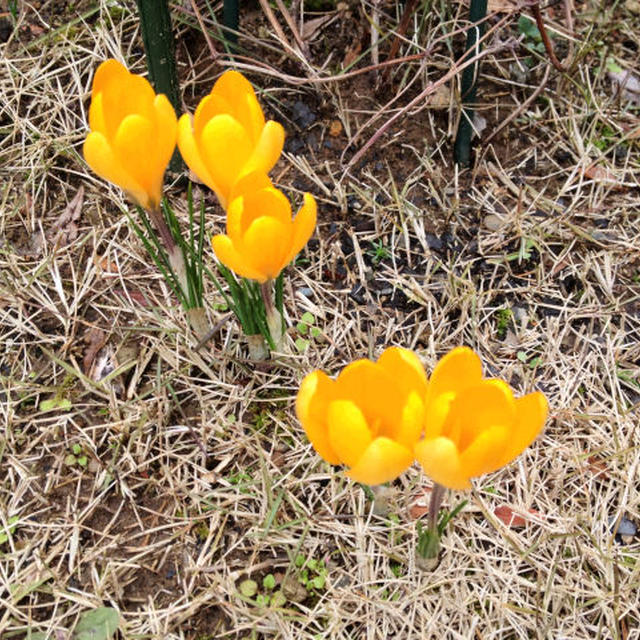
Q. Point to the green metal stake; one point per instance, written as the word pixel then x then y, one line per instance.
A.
pixel 462 147
pixel 155 22
pixel 230 19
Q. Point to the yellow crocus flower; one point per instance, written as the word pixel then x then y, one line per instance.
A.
pixel 228 137
pixel 262 237
pixel 369 418
pixel 473 425
pixel 133 133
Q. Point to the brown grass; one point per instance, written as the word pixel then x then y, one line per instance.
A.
pixel 197 474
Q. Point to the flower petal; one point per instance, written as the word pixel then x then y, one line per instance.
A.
pixel 225 149
pixel 238 92
pixel 265 244
pixel 231 258
pixel 477 409
pixel 100 157
pixel 485 453
pixel 405 368
pixel 370 387
pixel 412 422
pixel 267 150
pixel 191 154
pixel 456 371
pixel 382 461
pixel 254 181
pixel 209 107
pixel 303 225
pixel 439 460
pixel 312 403
pixel 349 434
pixel 134 146
pixel 109 71
pixel 531 413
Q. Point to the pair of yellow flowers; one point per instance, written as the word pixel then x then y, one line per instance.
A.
pixel 227 144
pixel 377 418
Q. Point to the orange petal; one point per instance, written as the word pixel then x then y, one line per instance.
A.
pixel 191 155
pixel 531 413
pixel 267 150
pixel 405 368
pixel 456 371
pixel 269 202
pixel 107 72
pixel 97 120
pixel 479 408
pixel 312 403
pixel 371 388
pixel 100 157
pixel 209 107
pixel 254 181
pixel 303 226
pixel 231 258
pixel 134 146
pixel 225 148
pixel 485 453
pixel 265 244
pixel 439 460
pixel 349 433
pixel 412 422
pixel 167 129
pixel 238 92
pixel 382 461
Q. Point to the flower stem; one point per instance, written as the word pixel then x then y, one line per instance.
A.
pixel 428 548
pixel 437 494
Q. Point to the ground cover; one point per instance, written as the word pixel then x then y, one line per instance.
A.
pixel 176 485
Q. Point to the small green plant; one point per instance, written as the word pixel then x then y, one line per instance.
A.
pixel 503 320
pixel 306 328
pixel 532 38
pixel 378 252
pixel 605 137
pixel 531 363
pixel 10 530
pixel 76 457
pixel 312 573
pixel 265 596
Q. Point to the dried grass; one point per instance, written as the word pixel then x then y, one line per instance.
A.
pixel 163 532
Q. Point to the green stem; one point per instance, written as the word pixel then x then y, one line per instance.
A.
pixel 230 19
pixel 462 147
pixel 155 24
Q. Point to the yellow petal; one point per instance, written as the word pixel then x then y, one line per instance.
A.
pixel 100 157
pixel 531 413
pixel 125 96
pixel 167 129
pixel 303 226
pixel 439 460
pixel 412 422
pixel 209 107
pixel 191 155
pixel 265 244
pixel 225 148
pixel 249 183
pixel 459 369
pixel 371 388
pixel 312 403
pixel 349 433
pixel 485 453
pixel 478 408
pixel 436 414
pixel 405 368
pixel 108 71
pixel 238 92
pixel 134 146
pixel 267 150
pixel 97 120
pixel 245 210
pixel 382 461
pixel 227 253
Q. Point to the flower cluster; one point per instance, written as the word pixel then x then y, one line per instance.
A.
pixel 227 144
pixel 377 418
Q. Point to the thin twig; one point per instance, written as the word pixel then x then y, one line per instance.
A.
pixel 545 37
pixel 214 54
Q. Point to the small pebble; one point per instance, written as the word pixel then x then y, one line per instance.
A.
pixel 493 222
